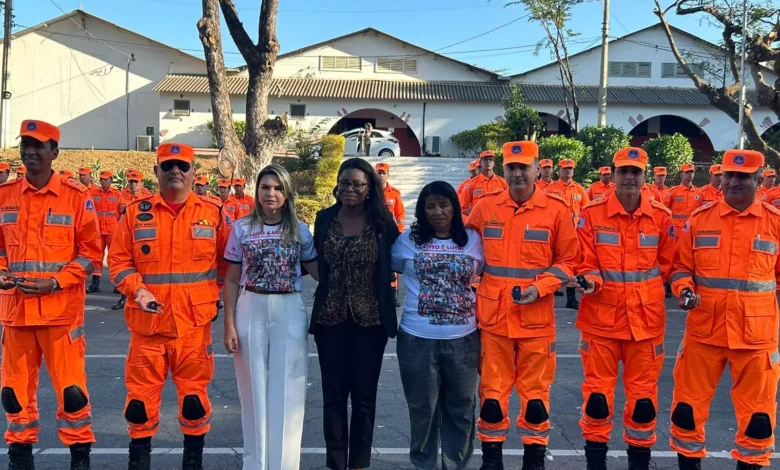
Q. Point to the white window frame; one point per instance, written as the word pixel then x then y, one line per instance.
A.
pixel 626 66
pixel 298 118
pixel 181 112
pixel 396 65
pixel 349 63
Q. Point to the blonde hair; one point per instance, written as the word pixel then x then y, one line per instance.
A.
pixel 289 224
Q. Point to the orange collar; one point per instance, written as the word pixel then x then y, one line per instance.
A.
pixel 54 185
pixel 614 207
pixel 755 208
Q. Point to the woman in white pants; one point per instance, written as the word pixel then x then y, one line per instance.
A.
pixel 266 324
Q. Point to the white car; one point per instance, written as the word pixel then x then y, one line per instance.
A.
pixel 383 143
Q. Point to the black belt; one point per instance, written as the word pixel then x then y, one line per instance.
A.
pixel 257 290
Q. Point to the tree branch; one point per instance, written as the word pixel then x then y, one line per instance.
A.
pixel 243 42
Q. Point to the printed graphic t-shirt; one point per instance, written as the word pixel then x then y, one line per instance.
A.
pixel 439 301
pixel 268 261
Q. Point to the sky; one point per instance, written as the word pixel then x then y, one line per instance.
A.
pixel 473 31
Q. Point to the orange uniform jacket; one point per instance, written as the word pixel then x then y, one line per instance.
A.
pixel 543 185
pixel 599 190
pixel 175 257
pixel 665 192
pixel 480 185
pixel 761 191
pixel 651 193
pixel 464 184
pixel 573 193
pixel 215 199
pixel 230 208
pixel 396 206
pixel 628 258
pixel 533 244
pixel 129 198
pixel 63 242
pixel 107 205
pixel 246 205
pixel 731 260
pixel 710 194
pixel 772 197
pixel 682 201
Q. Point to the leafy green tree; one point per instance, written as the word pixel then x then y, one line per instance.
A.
pixel 670 151
pixel 560 147
pixel 604 142
pixel 522 121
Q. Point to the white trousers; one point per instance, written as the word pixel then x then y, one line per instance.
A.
pixel 271 367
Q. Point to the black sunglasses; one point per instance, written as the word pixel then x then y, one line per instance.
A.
pixel 168 165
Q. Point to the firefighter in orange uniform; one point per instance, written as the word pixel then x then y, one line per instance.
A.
pixel 165 258
pixel 107 200
pixel 772 197
pixel 85 177
pixel 5 172
pixel 627 250
pixel 20 171
pixel 484 183
pixel 604 187
pixel 472 174
pixel 767 183
pixel 49 244
pixel 659 183
pixel 202 190
pixel 246 203
pixel 229 203
pixel 711 192
pixel 531 250
pixel 396 207
pixel 725 272
pixel 684 198
pixel 650 192
pixel 545 174
pixel 67 174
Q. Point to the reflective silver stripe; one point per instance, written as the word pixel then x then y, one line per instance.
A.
pixel 660 349
pixel 648 240
pixel 679 216
pixel 690 446
pixel 736 284
pixel 631 276
pixel 492 432
pixel 59 219
pixel 492 232
pixel 9 217
pixel 585 419
pixel 179 278
pixel 77 332
pixel 202 232
pixel 558 272
pixel 35 267
pixel 775 357
pixel 776 202
pixel 526 432
pixel 3 253
pixel 765 245
pixel 85 263
pixel 106 214
pixel 19 427
pixel 607 238
pixel 701 242
pixel 679 199
pixel 97 198
pixel 744 451
pixel 191 426
pixel 145 233
pixel 79 423
pixel 639 434
pixel 592 273
pixel 112 199
pixel 122 275
pixel 677 276
pixel 515 273
pixel 537 235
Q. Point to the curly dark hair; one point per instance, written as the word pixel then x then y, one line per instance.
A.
pixel 376 208
pixel 422 231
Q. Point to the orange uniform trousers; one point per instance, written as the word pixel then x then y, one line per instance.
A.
pixel 190 361
pixel 63 347
pixel 528 364
pixel 642 365
pixel 754 375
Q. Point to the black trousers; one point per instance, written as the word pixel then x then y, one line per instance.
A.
pixel 350 363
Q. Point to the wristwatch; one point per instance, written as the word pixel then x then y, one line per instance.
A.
pixel 55 285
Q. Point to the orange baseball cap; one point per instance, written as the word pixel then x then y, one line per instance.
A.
pixel 67 173
pixel 201 180
pixel 486 154
pixel 21 170
pixel 239 182
pixel 545 162
pixel 605 170
pixel 5 166
pixel 133 175
pixel 566 163
pixel 472 166
pixel 660 170
pixel 104 175
pixel 39 130
pixel 687 167
pixel 85 171
pixel 770 173
pixel 224 183
pixel 382 166
pixel 742 161
pixel 715 170
pixel 173 151
pixel 523 151
pixel 630 156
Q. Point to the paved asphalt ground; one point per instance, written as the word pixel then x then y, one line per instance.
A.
pixel 107 340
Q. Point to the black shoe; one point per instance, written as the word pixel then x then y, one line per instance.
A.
pixel 688 463
pixel 20 457
pixel 192 459
pixel 596 455
pixel 638 458
pixel 79 456
pixel 748 466
pixel 492 456
pixel 558 293
pixel 116 291
pixel 571 299
pixel 220 305
pixel 533 456
pixel 120 304
pixel 95 286
pixel 140 456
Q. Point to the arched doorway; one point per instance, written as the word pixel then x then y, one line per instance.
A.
pixel 671 124
pixel 554 125
pixel 381 120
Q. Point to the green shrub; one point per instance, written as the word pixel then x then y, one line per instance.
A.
pixel 670 151
pixel 469 142
pixel 560 147
pixel 328 167
pixel 522 121
pixel 604 142
pixel 307 209
pixel 303 181
pixel 239 126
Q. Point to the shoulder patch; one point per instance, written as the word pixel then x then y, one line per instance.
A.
pixel 661 207
pixel 483 195
pixel 72 183
pixel 772 209
pixel 703 208
pixel 145 208
pixel 10 182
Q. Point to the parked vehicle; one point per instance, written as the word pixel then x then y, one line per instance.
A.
pixel 383 144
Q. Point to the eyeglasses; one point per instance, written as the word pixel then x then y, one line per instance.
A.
pixel 168 165
pixel 357 187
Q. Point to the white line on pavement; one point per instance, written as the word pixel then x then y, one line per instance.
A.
pixel 224 356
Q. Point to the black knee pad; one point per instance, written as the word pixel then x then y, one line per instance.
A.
pixel 491 411
pixel 74 399
pixel 682 416
pixel 535 412
pixel 192 408
pixel 644 411
pixel 597 407
pixel 136 412
pixel 10 403
pixel 759 427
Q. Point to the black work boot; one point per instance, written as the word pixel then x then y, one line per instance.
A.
pixel 571 299
pixel 533 456
pixel 638 458
pixel 20 457
pixel 193 453
pixel 596 455
pixel 748 466
pixel 95 286
pixel 140 454
pixel 120 304
pixel 79 456
pixel 688 463
pixel 492 456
